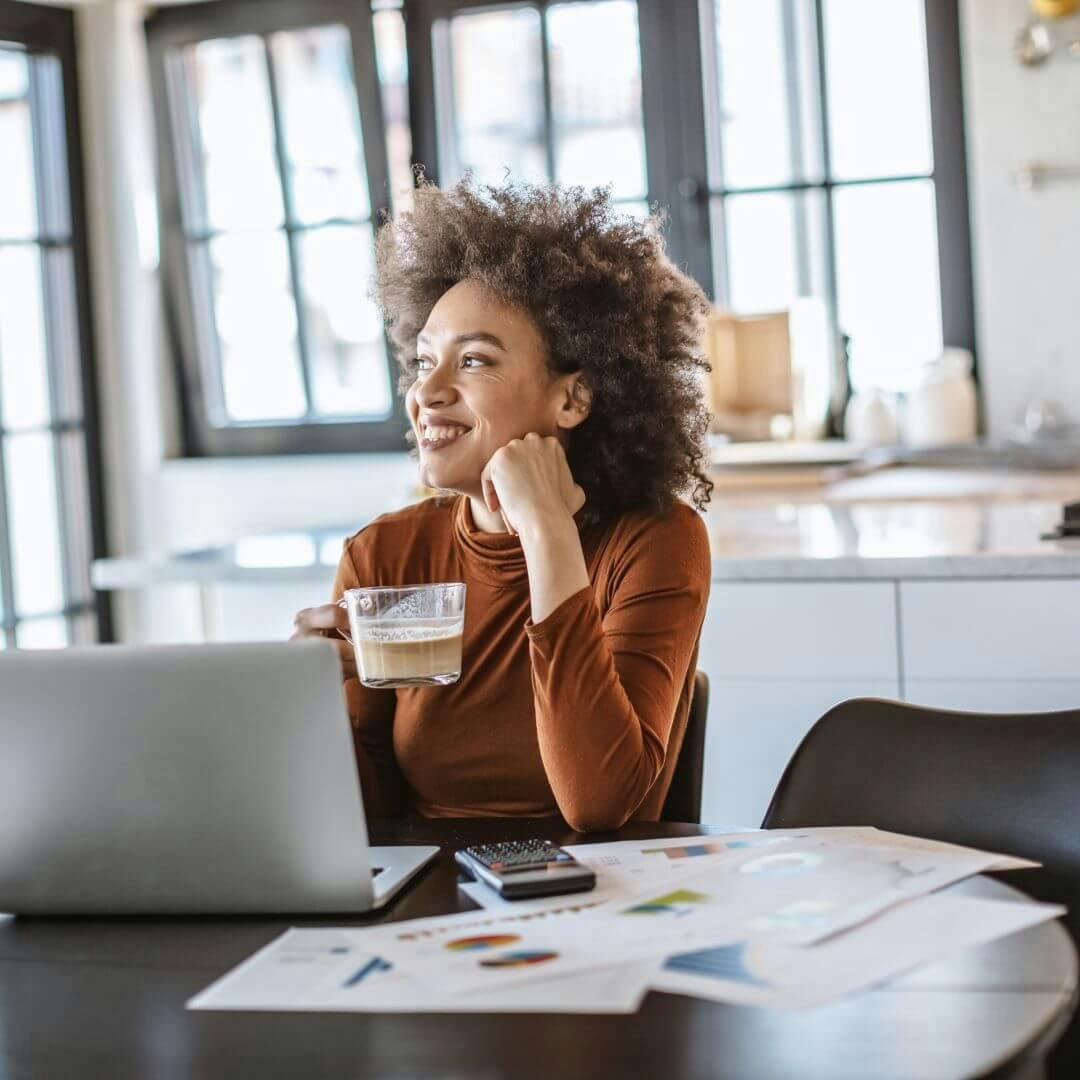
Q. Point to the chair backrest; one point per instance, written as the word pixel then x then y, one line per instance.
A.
pixel 683 802
pixel 1006 782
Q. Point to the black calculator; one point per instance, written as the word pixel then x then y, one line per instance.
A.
pixel 518 869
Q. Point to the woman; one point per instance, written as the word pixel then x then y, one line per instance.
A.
pixel 552 361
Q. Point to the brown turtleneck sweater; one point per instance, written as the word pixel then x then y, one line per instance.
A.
pixel 582 714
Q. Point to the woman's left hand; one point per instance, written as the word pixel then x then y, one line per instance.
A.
pixel 529 482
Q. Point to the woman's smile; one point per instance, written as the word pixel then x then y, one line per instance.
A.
pixel 437 432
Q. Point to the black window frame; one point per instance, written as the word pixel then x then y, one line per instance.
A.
pixel 48 30
pixel 185 24
pixel 948 174
pixel 673 112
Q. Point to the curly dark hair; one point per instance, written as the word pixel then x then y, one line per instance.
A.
pixel 608 302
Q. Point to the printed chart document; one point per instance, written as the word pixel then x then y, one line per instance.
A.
pixel 330 971
pixel 784 918
pixel 475 951
pixel 795 977
pixel 800 891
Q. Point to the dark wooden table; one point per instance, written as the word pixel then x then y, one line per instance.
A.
pixel 97 998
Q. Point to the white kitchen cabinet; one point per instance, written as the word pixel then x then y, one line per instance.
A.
pixel 995 695
pixel 800 630
pixel 754 728
pixel 778 656
pixel 1018 629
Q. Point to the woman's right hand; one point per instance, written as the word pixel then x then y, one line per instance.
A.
pixel 326 621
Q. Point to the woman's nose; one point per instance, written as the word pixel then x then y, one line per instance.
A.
pixel 437 386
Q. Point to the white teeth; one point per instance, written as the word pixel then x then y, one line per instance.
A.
pixel 443 434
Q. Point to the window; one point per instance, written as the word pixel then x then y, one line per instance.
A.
pixel 274 170
pixel 836 172
pixel 50 499
pixel 559 114
pixel 794 155
pixel 575 91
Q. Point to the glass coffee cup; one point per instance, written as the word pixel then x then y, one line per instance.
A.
pixel 407 635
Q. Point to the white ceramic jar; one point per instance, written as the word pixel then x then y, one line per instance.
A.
pixel 943 410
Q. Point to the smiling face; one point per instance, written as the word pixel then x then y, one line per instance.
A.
pixel 481 381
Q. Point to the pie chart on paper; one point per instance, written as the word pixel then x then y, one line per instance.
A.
pixel 480 942
pixel 523 958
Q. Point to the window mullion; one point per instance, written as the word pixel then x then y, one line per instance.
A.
pixel 838 390
pixel 545 69
pixel 281 157
pixel 796 143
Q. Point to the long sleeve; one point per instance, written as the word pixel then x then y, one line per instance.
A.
pixel 606 687
pixel 371 713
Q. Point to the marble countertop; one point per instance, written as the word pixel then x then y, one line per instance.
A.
pixel 975 537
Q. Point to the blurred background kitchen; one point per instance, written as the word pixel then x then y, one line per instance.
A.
pixel 196 396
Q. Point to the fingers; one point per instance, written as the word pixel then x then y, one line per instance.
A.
pixel 348 660
pixel 320 621
pixel 327 620
pixel 491 496
pixel 577 499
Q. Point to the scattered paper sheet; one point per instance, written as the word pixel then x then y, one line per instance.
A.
pixel 790 977
pixel 785 918
pixel 474 951
pixel 329 971
pixel 869 835
pixel 798 891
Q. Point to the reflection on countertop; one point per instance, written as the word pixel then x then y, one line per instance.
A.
pixel 933 539
pixel 752 540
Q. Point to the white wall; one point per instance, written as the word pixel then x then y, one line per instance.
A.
pixel 1026 244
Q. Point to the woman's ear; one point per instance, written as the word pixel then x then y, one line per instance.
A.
pixel 575 402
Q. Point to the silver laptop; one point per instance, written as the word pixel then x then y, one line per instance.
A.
pixel 184 779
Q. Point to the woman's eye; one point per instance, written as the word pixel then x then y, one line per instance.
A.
pixel 420 363
pixel 473 361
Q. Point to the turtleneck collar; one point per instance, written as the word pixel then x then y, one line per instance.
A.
pixel 497 558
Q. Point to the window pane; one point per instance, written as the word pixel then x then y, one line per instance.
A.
pixel 35 530
pixel 344 330
pixel 41 634
pixel 635 208
pixel 775 249
pixel 603 156
pixel 255 315
pixel 321 121
pixel 595 64
pixel 495 157
pixel 18 204
pixel 24 380
pixel 888 289
pixel 879 92
pixel 770 129
pixel 392 61
pixel 490 95
pixel 228 81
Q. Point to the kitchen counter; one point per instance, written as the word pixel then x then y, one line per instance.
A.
pixel 900 524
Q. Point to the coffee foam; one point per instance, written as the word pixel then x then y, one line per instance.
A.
pixel 410 631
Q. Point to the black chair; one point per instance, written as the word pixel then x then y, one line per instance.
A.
pixel 1004 782
pixel 683 802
